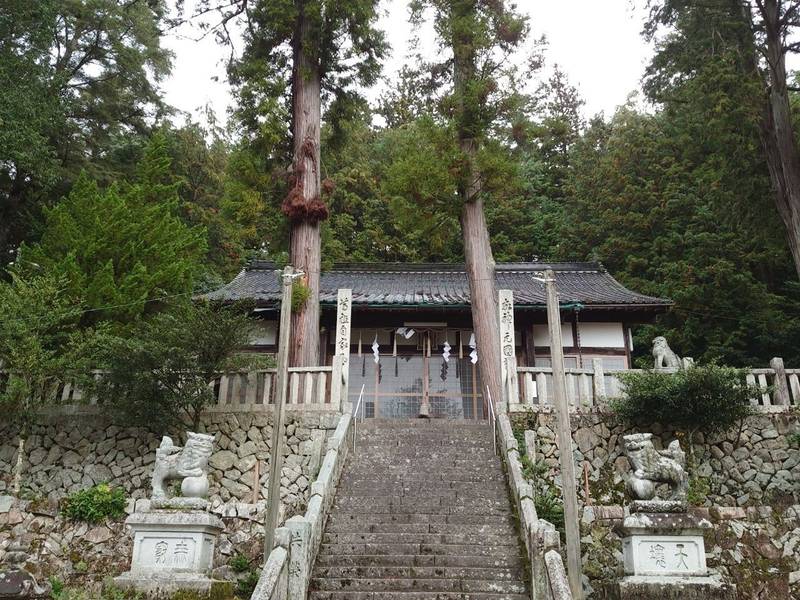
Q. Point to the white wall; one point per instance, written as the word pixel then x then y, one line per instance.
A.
pixel 602 335
pixel 541 336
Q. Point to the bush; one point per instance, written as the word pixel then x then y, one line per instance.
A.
pixel 709 399
pixel 95 504
pixel 794 439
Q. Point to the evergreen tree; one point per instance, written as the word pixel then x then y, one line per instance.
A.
pixel 75 77
pixel 121 249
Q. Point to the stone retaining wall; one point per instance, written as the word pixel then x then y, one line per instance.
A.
pixel 757 548
pixel 72 452
pixel 755 466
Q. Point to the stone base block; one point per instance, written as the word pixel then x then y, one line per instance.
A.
pixel 171 551
pixel 160 586
pixel 675 588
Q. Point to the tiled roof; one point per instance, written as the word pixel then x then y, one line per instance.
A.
pixel 400 284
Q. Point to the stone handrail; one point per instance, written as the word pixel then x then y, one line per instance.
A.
pixel 540 536
pixel 591 387
pixel 298 541
pixel 556 576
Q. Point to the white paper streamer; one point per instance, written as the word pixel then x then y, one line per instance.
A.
pixel 376 349
pixel 446 351
pixel 472 344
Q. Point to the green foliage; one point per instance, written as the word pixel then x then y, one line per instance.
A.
pixel 159 374
pixel 122 248
pixel 239 563
pixel 546 496
pixel 40 346
pixel 300 294
pixel 109 591
pixel 76 77
pixel 794 439
pixel 709 399
pixel 699 489
pixel 246 585
pixel 94 504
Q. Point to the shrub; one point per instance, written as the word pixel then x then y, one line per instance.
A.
pixel 794 439
pixel 239 563
pixel 709 399
pixel 95 504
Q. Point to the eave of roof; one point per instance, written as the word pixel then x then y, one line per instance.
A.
pixel 401 285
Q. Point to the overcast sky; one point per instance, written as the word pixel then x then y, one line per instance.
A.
pixel 596 42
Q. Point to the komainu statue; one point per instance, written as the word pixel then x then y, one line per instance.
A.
pixel 189 463
pixel 649 467
pixel 664 356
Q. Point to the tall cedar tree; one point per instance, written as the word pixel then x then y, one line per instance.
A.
pixel 320 50
pixel 756 36
pixel 76 76
pixel 477 39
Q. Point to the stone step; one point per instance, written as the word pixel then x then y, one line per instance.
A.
pixel 435 505
pixel 469 519
pixel 375 488
pixel 419 560
pixel 424 548
pixel 417 538
pixel 441 475
pixel 444 424
pixel 355 526
pixel 373 572
pixel 348 595
pixel 331 584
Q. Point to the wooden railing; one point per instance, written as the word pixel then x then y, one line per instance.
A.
pixel 321 388
pixel 589 387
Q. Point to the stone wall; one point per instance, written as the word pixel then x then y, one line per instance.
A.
pixel 757 548
pixel 84 555
pixel 754 466
pixel 67 453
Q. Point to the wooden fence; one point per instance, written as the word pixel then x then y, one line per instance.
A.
pixel 320 388
pixel 593 386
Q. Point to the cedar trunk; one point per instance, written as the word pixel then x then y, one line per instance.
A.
pixel 304 205
pixel 777 134
pixel 475 234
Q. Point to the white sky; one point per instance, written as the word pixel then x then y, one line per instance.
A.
pixel 596 42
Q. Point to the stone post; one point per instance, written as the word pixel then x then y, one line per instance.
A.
pixel 780 395
pixel 599 380
pixel 299 557
pixel 508 357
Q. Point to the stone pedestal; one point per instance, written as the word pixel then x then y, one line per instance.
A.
pixel 665 558
pixel 172 550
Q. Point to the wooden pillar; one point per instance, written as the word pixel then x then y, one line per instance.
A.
pixel 508 358
pixel 276 454
pixel 341 354
pixel 780 396
pixel 564 437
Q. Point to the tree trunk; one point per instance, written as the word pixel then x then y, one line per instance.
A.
pixel 777 133
pixel 475 234
pixel 482 288
pixel 304 205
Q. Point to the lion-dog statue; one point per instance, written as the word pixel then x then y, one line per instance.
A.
pixel 189 463
pixel 649 467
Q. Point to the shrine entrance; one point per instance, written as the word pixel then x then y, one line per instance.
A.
pixel 410 382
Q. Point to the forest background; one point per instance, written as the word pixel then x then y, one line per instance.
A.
pixel 99 185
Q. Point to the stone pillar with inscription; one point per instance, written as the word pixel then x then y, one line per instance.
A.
pixel 662 542
pixel 173 541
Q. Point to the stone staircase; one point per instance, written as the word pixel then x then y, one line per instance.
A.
pixel 422 512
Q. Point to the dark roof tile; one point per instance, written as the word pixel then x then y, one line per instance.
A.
pixel 442 285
